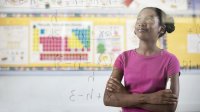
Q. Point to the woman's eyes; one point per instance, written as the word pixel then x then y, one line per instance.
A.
pixel 150 18
pixel 147 19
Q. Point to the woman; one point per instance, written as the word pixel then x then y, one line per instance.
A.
pixel 146 69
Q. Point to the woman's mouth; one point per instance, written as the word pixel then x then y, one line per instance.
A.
pixel 142 30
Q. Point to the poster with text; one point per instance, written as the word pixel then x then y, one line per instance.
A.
pixel 14 45
pixel 109 43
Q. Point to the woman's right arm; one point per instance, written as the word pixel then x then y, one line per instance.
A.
pixel 116 95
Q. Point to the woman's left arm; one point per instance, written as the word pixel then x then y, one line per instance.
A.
pixel 169 107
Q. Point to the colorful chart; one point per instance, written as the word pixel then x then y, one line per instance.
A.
pixel 61 41
pixel 109 42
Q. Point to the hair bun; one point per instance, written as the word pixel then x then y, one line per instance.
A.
pixel 169 24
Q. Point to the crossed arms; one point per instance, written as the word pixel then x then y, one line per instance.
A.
pixel 160 101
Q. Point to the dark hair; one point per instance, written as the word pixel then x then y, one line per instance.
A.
pixel 165 20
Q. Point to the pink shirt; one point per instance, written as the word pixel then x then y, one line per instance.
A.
pixel 146 74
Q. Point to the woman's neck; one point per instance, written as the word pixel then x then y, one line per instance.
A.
pixel 147 49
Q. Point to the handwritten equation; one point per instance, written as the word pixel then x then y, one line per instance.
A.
pixel 88 93
pixel 91 95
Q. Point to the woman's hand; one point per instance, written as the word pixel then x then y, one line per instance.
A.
pixel 115 85
pixel 162 97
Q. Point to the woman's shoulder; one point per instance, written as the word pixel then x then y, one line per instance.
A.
pixel 169 54
pixel 127 52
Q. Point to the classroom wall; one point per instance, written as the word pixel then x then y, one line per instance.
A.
pixel 25 89
pixel 105 39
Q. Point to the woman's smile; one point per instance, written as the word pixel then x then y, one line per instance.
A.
pixel 142 30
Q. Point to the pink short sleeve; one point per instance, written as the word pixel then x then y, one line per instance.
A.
pixel 119 62
pixel 173 66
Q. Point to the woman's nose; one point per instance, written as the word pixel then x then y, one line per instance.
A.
pixel 141 24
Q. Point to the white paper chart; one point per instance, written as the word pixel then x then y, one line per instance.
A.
pixel 14 45
pixel 59 3
pixel 193 43
pixel 15 3
pixel 169 5
pixel 109 43
pixel 132 40
pixel 76 3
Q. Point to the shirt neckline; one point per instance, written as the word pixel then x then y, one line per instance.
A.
pixel 151 56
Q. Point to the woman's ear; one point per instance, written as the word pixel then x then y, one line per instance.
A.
pixel 162 30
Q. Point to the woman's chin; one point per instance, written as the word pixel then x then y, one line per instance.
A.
pixel 142 37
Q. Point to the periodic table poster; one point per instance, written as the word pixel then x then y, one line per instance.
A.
pixel 66 42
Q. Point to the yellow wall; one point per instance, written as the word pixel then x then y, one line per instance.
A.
pixel 176 42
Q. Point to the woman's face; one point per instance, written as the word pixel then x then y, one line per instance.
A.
pixel 147 25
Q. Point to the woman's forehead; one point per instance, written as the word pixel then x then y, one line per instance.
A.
pixel 148 12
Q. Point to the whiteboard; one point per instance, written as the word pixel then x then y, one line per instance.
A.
pixel 75 91
pixel 51 91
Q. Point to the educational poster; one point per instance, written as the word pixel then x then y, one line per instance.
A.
pixel 66 42
pixel 15 3
pixel 169 5
pixel 132 40
pixel 75 3
pixel 13 45
pixel 59 3
pixel 109 43
pixel 193 43
pixel 136 4
pixel 46 3
pixel 94 3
